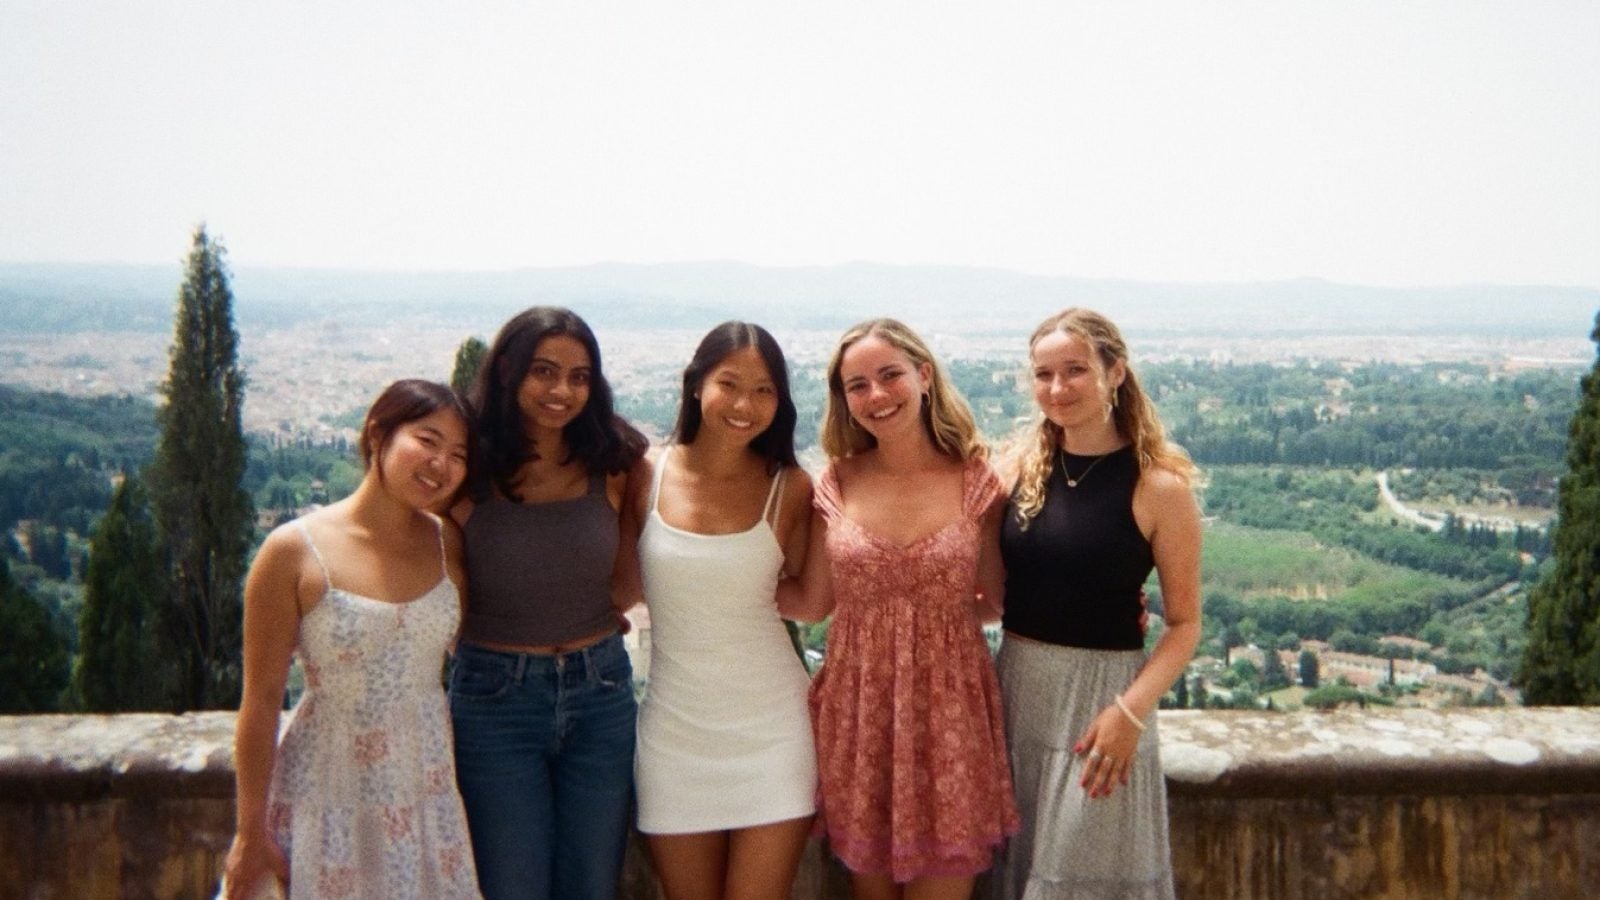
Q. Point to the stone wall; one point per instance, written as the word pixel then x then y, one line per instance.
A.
pixel 1379 803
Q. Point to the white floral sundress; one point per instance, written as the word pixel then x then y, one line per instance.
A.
pixel 363 798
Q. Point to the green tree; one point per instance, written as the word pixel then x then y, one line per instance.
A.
pixel 33 656
pixel 469 358
pixel 119 666
pixel 1274 675
pixel 1310 669
pixel 203 513
pixel 1561 660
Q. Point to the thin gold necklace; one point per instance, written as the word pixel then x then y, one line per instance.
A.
pixel 1073 482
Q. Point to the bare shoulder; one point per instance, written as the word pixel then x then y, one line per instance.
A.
pixel 1163 501
pixel 1164 485
pixel 286 543
pixel 280 568
pixel 451 533
pixel 797 488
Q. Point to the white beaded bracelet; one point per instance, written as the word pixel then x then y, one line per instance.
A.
pixel 1129 713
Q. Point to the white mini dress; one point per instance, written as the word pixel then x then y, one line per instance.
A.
pixel 724 731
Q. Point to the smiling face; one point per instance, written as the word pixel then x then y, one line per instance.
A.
pixel 1070 383
pixel 424 461
pixel 883 387
pixel 556 386
pixel 738 397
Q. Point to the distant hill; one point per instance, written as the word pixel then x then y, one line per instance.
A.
pixel 64 298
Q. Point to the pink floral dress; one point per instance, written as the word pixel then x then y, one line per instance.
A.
pixel 363 798
pixel 911 753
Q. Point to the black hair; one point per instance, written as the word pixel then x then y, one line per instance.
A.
pixel 597 437
pixel 776 443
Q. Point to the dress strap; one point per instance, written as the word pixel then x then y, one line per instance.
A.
pixel 327 580
pixel 979 487
pixel 655 477
pixel 444 563
pixel 769 513
pixel 826 497
pixel 597 483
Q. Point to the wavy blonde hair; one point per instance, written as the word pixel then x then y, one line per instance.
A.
pixel 1131 411
pixel 945 413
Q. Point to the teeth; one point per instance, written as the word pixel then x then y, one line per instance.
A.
pixel 885 414
pixel 738 423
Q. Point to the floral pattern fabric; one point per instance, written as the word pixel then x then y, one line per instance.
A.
pixel 914 778
pixel 363 799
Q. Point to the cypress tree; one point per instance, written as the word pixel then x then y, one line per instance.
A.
pixel 33 656
pixel 1561 662
pixel 1310 669
pixel 1274 676
pixel 203 514
pixel 469 358
pixel 119 668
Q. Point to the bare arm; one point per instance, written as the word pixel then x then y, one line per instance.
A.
pixel 627 585
pixel 809 597
pixel 991 594
pixel 271 619
pixel 455 564
pixel 794 521
pixel 1167 503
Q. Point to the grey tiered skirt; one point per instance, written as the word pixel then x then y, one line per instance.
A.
pixel 1072 846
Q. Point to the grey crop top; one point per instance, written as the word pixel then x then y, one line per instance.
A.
pixel 540 573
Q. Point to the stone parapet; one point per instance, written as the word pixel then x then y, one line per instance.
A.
pixel 1398 803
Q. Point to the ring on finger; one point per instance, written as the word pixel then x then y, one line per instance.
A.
pixel 1095 754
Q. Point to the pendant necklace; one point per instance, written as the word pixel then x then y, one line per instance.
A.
pixel 1071 481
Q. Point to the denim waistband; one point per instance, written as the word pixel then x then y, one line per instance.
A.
pixel 591 659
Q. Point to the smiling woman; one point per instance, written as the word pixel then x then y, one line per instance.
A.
pixel 541 695
pixel 915 794
pixel 365 592
pixel 726 767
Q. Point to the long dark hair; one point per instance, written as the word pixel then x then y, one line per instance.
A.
pixel 777 442
pixel 600 439
pixel 408 400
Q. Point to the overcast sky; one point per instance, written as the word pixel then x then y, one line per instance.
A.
pixel 1370 142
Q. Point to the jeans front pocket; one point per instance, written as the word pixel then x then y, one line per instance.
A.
pixel 479 677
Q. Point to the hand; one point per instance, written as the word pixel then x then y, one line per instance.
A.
pixel 1108 748
pixel 1144 612
pixel 250 860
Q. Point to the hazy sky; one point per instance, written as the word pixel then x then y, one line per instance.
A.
pixel 1373 142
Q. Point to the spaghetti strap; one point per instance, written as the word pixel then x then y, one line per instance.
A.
pixel 655 477
pixel 769 512
pixel 327 579
pixel 597 483
pixel 826 499
pixel 444 562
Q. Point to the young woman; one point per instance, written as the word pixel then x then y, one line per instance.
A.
pixel 541 695
pixel 358 799
pixel 1101 499
pixel 914 788
pixel 726 769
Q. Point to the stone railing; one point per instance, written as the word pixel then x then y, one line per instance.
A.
pixel 1379 803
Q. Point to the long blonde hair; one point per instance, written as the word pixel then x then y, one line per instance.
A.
pixel 945 413
pixel 1131 411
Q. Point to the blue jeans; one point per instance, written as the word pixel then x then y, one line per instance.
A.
pixel 544 758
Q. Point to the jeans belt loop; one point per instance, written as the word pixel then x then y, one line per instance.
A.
pixel 522 666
